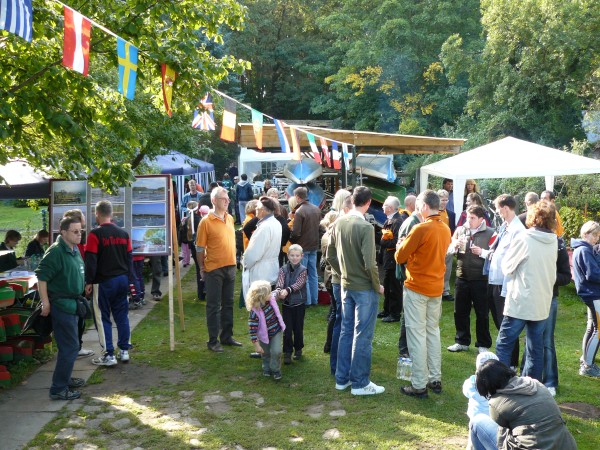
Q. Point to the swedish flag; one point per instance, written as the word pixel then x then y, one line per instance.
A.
pixel 128 62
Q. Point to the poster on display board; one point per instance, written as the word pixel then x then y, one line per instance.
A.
pixel 143 210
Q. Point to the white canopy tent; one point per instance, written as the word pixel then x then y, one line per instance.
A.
pixel 507 158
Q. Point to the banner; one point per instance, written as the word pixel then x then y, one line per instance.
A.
pixel 128 60
pixel 229 118
pixel 257 126
pixel 168 78
pixel 76 43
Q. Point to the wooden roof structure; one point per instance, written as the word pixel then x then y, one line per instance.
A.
pixel 365 141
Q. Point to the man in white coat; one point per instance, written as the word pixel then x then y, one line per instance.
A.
pixel 261 259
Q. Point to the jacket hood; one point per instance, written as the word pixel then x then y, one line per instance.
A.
pixel 542 236
pixel 242 182
pixel 520 386
pixel 579 243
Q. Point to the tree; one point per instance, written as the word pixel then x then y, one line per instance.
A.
pixel 70 125
pixel 535 73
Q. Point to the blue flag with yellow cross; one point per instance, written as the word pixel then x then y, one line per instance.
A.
pixel 128 63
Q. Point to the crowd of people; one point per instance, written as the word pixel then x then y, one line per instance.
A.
pixel 512 272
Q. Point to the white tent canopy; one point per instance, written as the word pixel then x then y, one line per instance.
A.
pixel 507 158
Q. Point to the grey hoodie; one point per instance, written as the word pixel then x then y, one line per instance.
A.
pixel 530 270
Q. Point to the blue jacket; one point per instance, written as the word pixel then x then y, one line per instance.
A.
pixel 586 269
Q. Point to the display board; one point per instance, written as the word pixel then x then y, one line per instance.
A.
pixel 142 210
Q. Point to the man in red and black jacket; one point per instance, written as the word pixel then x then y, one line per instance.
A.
pixel 107 264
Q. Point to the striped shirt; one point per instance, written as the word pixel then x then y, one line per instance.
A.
pixel 273 326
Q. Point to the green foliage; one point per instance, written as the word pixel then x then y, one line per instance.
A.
pixel 71 125
pixel 572 220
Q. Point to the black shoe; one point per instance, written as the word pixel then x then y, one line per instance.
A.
pixel 381 314
pixel 412 392
pixel 232 342
pixel 216 347
pixel 277 376
pixel 298 355
pixel 327 347
pixel 390 319
pixel 67 394
pixel 255 355
pixel 76 383
pixel 435 387
pixel 403 355
pixel 287 358
pixel 447 298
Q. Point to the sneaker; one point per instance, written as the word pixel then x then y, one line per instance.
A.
pixel 552 391
pixel 435 387
pixel 267 373
pixel 341 387
pixel 287 358
pixel 277 376
pixel 483 349
pixel 76 383
pixel 124 356
pixel 381 314
pixel 84 353
pixel 298 355
pixel 447 298
pixel 390 319
pixel 458 348
pixel 106 360
pixel 589 371
pixel 412 392
pixel 255 355
pixel 67 394
pixel 369 389
pixel 156 297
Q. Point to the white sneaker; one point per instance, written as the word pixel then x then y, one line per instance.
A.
pixel 458 348
pixel 483 349
pixel 552 391
pixel 84 353
pixel 341 387
pixel 369 389
pixel 106 360
pixel 124 356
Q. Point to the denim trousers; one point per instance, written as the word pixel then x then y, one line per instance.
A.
pixel 219 285
pixel 66 334
pixel 422 314
pixel 271 358
pixel 242 210
pixel 483 432
pixel 496 307
pixel 590 341
pixel 138 276
pixel 309 260
pixel 337 326
pixel 359 314
pixel 112 299
pixel 509 333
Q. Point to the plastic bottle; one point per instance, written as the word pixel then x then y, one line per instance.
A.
pixel 407 372
pixel 400 369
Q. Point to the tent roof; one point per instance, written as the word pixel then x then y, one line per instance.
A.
pixel 365 141
pixel 21 180
pixel 511 158
pixel 176 163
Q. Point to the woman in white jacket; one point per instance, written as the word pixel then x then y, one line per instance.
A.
pixel 530 268
pixel 261 257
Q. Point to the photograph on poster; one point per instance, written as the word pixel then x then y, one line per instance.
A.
pixel 99 194
pixel 149 189
pixel 59 211
pixel 118 215
pixel 69 192
pixel 148 240
pixel 148 215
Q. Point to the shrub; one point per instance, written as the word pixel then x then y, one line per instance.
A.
pixel 572 220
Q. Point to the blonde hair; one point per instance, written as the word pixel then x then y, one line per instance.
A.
pixel 251 206
pixel 258 294
pixel 338 200
pixel 292 202
pixel 590 227
pixel 295 248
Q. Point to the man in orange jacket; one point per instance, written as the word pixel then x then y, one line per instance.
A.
pixel 424 253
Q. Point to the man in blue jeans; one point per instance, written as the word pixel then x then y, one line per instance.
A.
pixel 351 253
pixel 60 281
pixel 305 233
pixel 107 261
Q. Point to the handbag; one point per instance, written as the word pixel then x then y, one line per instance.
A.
pixel 83 308
pixel 42 325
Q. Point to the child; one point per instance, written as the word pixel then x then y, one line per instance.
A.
pixel 266 326
pixel 477 403
pixel 291 288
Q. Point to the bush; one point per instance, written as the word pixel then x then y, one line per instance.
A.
pixel 572 220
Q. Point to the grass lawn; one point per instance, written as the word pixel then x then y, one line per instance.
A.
pixel 25 220
pixel 299 409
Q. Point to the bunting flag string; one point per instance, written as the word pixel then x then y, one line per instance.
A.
pixel 257 126
pixel 205 119
pixel 229 120
pixel 325 151
pixel 346 156
pixel 283 140
pixel 295 144
pixel 128 60
pixel 76 44
pixel 16 16
pixel 337 164
pixel 313 146
pixel 168 78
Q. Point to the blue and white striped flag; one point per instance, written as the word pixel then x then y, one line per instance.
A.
pixel 16 16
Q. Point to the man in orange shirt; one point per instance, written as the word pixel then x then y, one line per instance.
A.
pixel 424 252
pixel 215 247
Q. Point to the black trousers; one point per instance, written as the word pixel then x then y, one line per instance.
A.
pixel 466 294
pixel 392 293
pixel 293 336
pixel 496 305
pixel 199 282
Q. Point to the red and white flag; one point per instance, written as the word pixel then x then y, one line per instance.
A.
pixel 76 49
